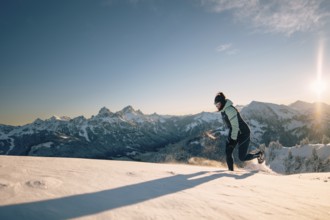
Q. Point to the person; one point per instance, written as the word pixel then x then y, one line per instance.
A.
pixel 239 132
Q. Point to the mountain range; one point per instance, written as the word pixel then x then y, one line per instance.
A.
pixel 129 132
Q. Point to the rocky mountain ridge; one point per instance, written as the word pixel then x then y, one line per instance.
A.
pixel 129 132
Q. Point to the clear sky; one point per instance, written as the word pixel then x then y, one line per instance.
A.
pixel 72 57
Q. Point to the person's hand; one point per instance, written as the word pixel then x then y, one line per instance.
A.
pixel 231 142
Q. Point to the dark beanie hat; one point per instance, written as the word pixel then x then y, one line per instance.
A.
pixel 220 97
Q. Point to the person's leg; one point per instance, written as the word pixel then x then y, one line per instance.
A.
pixel 243 150
pixel 229 157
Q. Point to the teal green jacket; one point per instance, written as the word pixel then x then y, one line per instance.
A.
pixel 233 120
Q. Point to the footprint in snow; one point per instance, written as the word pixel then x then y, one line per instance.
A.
pixel 37 184
pixel 2 186
pixel 44 183
pixel 171 172
pixel 130 174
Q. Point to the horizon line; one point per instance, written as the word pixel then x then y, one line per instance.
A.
pixel 155 113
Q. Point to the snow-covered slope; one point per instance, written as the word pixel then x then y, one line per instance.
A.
pixel 59 188
pixel 298 159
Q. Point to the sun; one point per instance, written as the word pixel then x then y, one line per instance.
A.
pixel 319 87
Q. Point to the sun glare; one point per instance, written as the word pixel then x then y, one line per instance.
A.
pixel 319 87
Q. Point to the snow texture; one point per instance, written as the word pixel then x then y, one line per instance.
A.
pixel 62 188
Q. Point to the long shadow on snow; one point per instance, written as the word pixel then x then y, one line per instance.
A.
pixel 92 203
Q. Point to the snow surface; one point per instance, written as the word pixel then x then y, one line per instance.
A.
pixel 62 188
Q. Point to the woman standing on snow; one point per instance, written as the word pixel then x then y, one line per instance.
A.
pixel 239 132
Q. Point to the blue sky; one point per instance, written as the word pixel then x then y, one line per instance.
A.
pixel 170 57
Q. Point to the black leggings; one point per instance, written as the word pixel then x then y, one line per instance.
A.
pixel 243 147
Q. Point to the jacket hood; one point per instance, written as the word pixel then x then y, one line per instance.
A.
pixel 228 103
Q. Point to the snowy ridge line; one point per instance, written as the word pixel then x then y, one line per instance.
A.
pixel 106 134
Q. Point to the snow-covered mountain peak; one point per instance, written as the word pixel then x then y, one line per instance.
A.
pixel 139 112
pixel 257 104
pixel 130 114
pixel 269 110
pixel 38 121
pixel 57 118
pixel 105 112
pixel 130 109
pixel 300 103
pixel 306 107
pixel 301 106
pixel 79 119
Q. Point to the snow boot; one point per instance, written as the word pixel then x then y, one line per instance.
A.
pixel 261 157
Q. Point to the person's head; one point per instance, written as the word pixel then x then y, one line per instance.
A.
pixel 220 101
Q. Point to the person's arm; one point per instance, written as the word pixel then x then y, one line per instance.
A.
pixel 233 119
